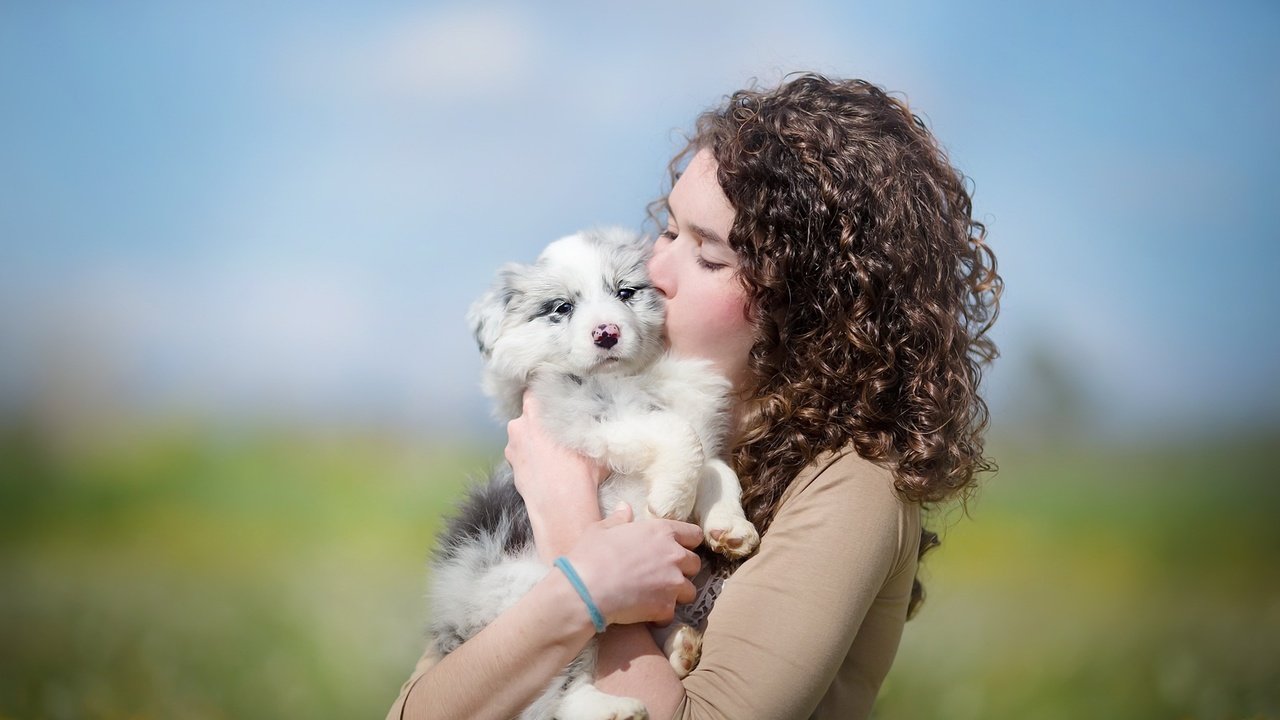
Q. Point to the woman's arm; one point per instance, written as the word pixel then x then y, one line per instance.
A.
pixel 815 615
pixel 560 488
pixel 634 571
pixel 630 663
pixel 785 622
pixel 505 666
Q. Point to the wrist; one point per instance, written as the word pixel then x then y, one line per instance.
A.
pixel 556 530
pixel 593 611
pixel 569 611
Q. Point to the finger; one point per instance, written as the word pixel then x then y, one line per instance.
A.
pixel 665 618
pixel 687 534
pixel 621 515
pixel 690 564
pixel 686 594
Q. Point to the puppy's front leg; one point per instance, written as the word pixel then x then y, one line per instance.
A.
pixel 719 512
pixel 667 452
pixel 673 479
pixel 681 643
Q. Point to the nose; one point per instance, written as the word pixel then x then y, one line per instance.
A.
pixel 659 267
pixel 606 336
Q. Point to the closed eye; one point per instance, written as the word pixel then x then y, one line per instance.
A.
pixel 670 235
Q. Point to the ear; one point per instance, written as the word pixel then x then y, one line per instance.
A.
pixel 630 248
pixel 486 314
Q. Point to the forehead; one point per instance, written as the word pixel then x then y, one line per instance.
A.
pixel 579 264
pixel 697 197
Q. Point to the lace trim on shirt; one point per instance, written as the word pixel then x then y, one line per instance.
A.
pixel 696 612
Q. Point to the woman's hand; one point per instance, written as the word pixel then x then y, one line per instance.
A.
pixel 560 487
pixel 543 467
pixel 637 571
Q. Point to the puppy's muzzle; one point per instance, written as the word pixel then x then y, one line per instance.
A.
pixel 606 336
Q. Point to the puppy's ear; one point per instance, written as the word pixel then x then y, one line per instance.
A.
pixel 486 314
pixel 624 238
pixel 636 240
pixel 626 248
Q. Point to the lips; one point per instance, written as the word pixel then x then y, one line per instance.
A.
pixel 605 357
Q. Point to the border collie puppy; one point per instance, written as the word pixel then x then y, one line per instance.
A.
pixel 582 329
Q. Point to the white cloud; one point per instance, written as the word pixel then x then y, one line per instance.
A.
pixel 312 344
pixel 465 53
pixel 470 53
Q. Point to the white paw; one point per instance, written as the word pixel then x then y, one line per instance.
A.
pixel 683 648
pixel 588 703
pixel 730 535
pixel 636 711
pixel 624 708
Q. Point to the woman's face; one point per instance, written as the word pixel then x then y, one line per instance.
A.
pixel 694 268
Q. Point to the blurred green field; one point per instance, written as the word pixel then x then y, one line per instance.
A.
pixel 192 574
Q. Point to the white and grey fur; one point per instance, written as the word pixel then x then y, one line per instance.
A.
pixel 581 329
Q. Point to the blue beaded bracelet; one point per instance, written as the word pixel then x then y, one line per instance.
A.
pixel 596 618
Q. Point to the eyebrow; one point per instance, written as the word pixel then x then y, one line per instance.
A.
pixel 705 235
pixel 708 236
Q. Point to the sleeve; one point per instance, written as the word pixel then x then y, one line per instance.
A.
pixel 424 664
pixel 786 619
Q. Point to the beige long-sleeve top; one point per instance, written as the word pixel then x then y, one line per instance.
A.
pixel 809 625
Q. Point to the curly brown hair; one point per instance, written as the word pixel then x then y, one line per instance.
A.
pixel 870 284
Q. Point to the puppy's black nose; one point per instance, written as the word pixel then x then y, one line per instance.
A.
pixel 606 336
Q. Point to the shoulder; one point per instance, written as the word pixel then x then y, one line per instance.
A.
pixel 844 475
pixel 836 547
pixel 847 491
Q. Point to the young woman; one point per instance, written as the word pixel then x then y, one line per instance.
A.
pixel 820 250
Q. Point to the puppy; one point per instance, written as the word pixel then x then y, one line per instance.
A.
pixel 581 329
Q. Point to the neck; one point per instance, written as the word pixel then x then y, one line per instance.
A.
pixel 740 414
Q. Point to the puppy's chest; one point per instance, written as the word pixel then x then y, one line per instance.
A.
pixel 611 398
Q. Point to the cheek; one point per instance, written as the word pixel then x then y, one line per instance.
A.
pixel 713 321
pixel 726 316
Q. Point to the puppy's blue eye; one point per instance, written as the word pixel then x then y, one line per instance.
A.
pixel 564 308
pixel 626 293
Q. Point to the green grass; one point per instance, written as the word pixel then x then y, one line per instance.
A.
pixel 264 577
pixel 188 574
pixel 1135 583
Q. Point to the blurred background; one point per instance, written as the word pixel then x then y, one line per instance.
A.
pixel 237 392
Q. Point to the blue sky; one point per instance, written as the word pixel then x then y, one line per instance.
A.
pixel 234 210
